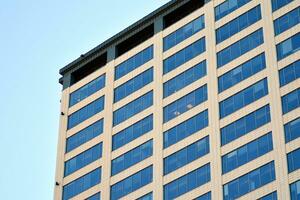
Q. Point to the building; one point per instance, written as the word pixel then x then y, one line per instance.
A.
pixel 197 100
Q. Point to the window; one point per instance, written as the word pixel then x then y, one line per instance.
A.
pixel 87 90
pixel 288 47
pixel 86 112
pixel 148 196
pixel 185 129
pixel 133 108
pixel 227 7
pixel 206 196
pixel 247 153
pixel 82 184
pixel 295 190
pixel 249 182
pixel 185 103
pixel 83 159
pixel 238 24
pixel 133 85
pixel 290 101
pixel 131 183
pixel 287 21
pixel 96 196
pixel 289 73
pixel 186 155
pixel 134 62
pixel 240 47
pixel 271 196
pixel 184 79
pixel 242 72
pixel 243 98
pixel 183 33
pixel 276 4
pixel 84 135
pixel 245 124
pixel 187 182
pixel 293 160
pixel 131 157
pixel 132 132
pixel 291 130
pixel 184 55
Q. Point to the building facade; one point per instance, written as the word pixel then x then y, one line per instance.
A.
pixel 197 100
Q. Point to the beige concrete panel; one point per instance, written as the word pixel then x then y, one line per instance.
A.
pixel 260 192
pixel 196 192
pixel 292 145
pixel 285 9
pixel 287 34
pixel 290 87
pixel 291 115
pixel 139 193
pixel 289 60
pixel 294 176
pixel 86 194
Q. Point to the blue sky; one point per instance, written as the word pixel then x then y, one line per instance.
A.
pixel 37 38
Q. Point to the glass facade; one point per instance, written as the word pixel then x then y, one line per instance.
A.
pixel 87 90
pixel 184 79
pixel 132 132
pixel 228 7
pixel 134 62
pixel 186 155
pixel 249 182
pixel 239 48
pixel 132 108
pixel 148 196
pixel 290 101
pixel 276 4
pixel 206 196
pixel 184 55
pixel 293 159
pixel 288 47
pixel 247 153
pixel 96 196
pixel 185 103
pixel 86 112
pixel 295 190
pixel 131 157
pixel 291 130
pixel 131 183
pixel 242 72
pixel 238 24
pixel 245 125
pixel 133 85
pixel 287 21
pixel 185 129
pixel 183 33
pixel 271 196
pixel 289 73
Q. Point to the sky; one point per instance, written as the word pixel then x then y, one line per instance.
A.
pixel 37 38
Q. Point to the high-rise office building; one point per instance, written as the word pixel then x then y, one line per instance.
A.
pixel 197 100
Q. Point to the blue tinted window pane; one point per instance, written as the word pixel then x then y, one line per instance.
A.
pixel 132 108
pixel 227 7
pixel 133 85
pixel 238 24
pixel 131 157
pixel 206 196
pixel 247 153
pixel 186 155
pixel 293 160
pixel 245 125
pixel 291 130
pixel 82 184
pixel 185 129
pixel 295 190
pixel 84 135
pixel 185 103
pixel 242 72
pixel 132 132
pixel 249 182
pixel 184 79
pixel 243 98
pixel 86 112
pixel 187 182
pixel 83 159
pixel 134 62
pixel 288 47
pixel 87 90
pixel 240 47
pixel 287 21
pixel 184 55
pixel 276 4
pixel 148 196
pixel 96 196
pixel 131 183
pixel 183 33
pixel 289 73
pixel 290 101
pixel 271 196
